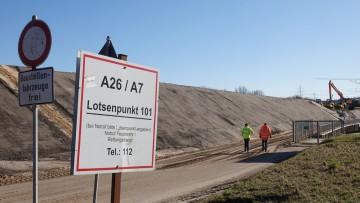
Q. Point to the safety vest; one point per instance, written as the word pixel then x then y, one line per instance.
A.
pixel 246 132
pixel 265 132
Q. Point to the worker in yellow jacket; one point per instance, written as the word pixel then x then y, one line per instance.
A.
pixel 246 132
pixel 264 134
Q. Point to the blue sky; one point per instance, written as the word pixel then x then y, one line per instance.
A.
pixel 278 46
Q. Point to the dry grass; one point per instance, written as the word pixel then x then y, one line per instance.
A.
pixel 329 172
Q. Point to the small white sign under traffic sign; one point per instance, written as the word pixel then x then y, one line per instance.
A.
pixel 36 86
pixel 115 116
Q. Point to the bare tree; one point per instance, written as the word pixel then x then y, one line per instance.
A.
pixel 258 92
pixel 241 89
pixel 244 90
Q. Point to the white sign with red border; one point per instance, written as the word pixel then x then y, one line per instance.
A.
pixel 34 43
pixel 116 116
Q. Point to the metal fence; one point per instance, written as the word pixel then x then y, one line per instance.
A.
pixel 306 129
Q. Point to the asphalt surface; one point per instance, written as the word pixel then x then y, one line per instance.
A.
pixel 180 184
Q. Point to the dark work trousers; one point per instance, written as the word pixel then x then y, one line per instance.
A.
pixel 247 144
pixel 264 145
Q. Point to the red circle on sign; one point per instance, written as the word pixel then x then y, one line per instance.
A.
pixel 34 31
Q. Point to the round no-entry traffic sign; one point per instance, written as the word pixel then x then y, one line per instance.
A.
pixel 34 42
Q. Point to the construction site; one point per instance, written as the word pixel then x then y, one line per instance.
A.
pixel 341 104
pixel 198 129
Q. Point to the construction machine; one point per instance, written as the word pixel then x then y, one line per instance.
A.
pixel 353 103
pixel 328 104
pixel 318 101
pixel 340 104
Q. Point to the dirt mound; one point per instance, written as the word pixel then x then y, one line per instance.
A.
pixel 199 117
pixel 189 117
pixel 16 125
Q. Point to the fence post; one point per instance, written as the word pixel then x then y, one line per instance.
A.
pixel 318 132
pixel 293 129
pixel 332 128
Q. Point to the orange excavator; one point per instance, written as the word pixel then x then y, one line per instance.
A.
pixel 340 104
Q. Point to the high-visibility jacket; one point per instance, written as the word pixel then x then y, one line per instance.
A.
pixel 265 132
pixel 246 132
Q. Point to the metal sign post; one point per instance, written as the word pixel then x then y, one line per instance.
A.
pixel 35 151
pixel 96 183
pixel 36 87
pixel 116 177
pixel 33 48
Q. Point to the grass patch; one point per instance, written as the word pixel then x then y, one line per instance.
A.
pixel 328 172
pixel 334 165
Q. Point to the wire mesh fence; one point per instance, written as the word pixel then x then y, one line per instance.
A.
pixel 306 129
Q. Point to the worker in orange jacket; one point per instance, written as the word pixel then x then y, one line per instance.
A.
pixel 264 134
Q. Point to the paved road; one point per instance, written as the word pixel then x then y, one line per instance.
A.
pixel 169 185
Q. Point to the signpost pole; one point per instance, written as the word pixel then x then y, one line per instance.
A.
pixel 115 187
pixel 116 177
pixel 35 151
pixel 96 183
pixel 35 34
pixel 108 50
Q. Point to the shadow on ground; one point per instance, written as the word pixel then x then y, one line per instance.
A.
pixel 275 157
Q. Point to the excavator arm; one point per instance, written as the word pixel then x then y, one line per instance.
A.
pixel 331 85
pixel 337 105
